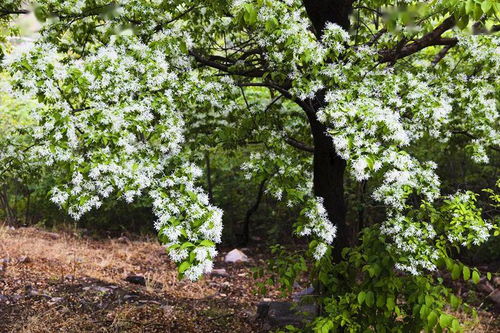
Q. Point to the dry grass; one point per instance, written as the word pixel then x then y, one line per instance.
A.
pixel 61 265
pixel 66 267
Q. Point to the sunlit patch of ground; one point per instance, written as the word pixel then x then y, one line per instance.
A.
pixel 62 283
pixel 55 282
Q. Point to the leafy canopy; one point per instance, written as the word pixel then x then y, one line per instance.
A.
pixel 129 92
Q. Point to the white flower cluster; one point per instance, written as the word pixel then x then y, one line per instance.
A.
pixel 375 115
pixel 318 224
pixel 115 121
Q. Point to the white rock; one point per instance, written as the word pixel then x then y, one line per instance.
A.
pixel 220 272
pixel 235 256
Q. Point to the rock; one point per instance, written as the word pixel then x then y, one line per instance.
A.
pixel 485 286
pixel 496 281
pixel 16 298
pixel 97 288
pixel 148 301
pixel 235 256
pixel 298 296
pixel 55 300
pixel 129 297
pixel 123 240
pixel 24 260
pixel 4 261
pixel 136 279
pixel 285 313
pixel 102 289
pixel 4 299
pixel 219 272
pixel 495 297
pixel 168 309
pixel 53 235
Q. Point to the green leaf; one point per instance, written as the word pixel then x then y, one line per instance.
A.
pixel 488 276
pixel 432 319
pixel 455 273
pixel 185 245
pixel 380 300
pixel 184 266
pixel 445 320
pixel 469 6
pixel 475 277
pixel 370 298
pixel 361 297
pixel 454 301
pixel 424 311
pixel 486 6
pixel 390 303
pixel 466 273
pixel 250 15
pixel 207 242
pixel 455 325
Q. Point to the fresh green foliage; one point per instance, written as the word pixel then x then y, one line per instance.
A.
pixel 128 93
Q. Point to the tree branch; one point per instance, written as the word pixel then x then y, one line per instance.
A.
pixel 299 145
pixel 431 39
pixel 467 134
pixel 4 12
pixel 441 54
pixel 254 72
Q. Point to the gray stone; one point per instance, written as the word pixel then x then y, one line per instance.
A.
pixel 23 259
pixel 168 309
pixel 55 300
pixel 485 286
pixel 123 240
pixel 219 272
pixel 495 297
pixel 129 297
pixel 279 314
pixel 97 288
pixel 300 295
pixel 53 235
pixel 235 256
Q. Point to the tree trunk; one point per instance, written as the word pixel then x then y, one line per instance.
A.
pixel 328 171
pixel 329 168
pixel 209 176
pixel 246 224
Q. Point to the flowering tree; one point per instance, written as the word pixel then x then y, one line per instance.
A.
pixel 128 91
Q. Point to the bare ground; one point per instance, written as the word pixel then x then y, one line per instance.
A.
pixel 61 283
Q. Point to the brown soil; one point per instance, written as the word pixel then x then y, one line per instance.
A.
pixel 62 283
pixel 59 283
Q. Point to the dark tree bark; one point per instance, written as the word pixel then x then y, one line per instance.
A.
pixel 322 11
pixel 246 224
pixel 329 167
pixel 328 182
pixel 209 176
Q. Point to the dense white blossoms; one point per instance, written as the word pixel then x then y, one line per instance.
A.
pixel 373 121
pixel 124 112
pixel 103 119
